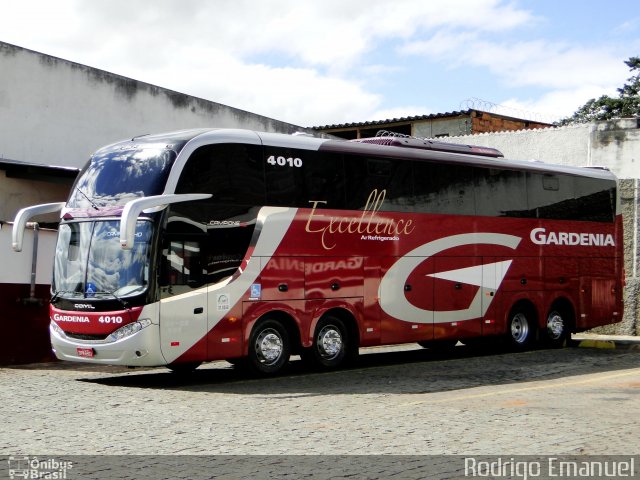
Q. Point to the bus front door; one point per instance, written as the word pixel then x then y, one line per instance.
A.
pixel 183 303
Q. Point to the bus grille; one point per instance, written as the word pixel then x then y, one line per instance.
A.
pixel 83 336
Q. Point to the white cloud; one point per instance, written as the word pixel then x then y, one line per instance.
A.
pixel 554 105
pixel 534 63
pixel 547 65
pixel 630 25
pixel 305 62
pixel 568 75
pixel 331 33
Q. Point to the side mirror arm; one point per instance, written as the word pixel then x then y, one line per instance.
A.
pixel 134 208
pixel 24 215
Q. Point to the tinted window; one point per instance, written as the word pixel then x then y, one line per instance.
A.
pixel 181 266
pixel 232 173
pixel 235 175
pixel 501 193
pixel 596 198
pixel 364 175
pixel 220 245
pixel 296 177
pixel 551 196
pixel 444 188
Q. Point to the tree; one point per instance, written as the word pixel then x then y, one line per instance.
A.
pixel 627 104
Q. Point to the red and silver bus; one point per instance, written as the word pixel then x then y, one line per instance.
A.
pixel 201 245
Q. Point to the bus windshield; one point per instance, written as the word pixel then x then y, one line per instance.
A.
pixel 115 177
pixel 90 263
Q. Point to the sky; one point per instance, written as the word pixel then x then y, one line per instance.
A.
pixel 324 62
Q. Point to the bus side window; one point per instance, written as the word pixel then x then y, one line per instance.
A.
pixel 597 198
pixel 232 173
pixel 444 188
pixel 501 193
pixel 181 268
pixel 552 196
pixel 364 175
pixel 296 177
pixel 74 243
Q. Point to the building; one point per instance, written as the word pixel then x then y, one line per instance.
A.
pixel 452 124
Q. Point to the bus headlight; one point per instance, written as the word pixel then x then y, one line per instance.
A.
pixel 129 329
pixel 56 328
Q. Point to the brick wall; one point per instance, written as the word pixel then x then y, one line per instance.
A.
pixel 482 122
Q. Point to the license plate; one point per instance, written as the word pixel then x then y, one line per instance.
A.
pixel 85 352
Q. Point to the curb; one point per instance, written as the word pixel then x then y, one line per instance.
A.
pixel 610 342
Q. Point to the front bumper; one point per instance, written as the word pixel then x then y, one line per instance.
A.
pixel 142 349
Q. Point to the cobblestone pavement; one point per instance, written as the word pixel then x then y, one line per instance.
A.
pixel 402 400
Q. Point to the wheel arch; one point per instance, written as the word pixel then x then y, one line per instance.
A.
pixel 288 322
pixel 565 306
pixel 522 325
pixel 349 320
pixel 526 305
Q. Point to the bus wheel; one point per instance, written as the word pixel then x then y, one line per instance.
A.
pixel 269 347
pixel 557 329
pixel 330 342
pixel 520 331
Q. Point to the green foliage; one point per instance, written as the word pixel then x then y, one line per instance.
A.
pixel 627 104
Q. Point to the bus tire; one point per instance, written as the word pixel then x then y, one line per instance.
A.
pixel 330 344
pixel 269 347
pixel 521 328
pixel 556 329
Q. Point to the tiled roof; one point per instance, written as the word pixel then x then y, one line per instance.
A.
pixel 395 120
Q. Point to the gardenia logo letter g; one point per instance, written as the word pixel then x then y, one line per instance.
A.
pixel 391 293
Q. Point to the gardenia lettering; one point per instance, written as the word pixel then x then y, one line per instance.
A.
pixel 71 318
pixel 368 223
pixel 539 236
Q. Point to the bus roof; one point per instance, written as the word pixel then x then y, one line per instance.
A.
pixel 425 144
pixel 385 146
pixel 456 157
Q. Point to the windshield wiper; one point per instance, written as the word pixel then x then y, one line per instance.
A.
pixel 88 199
pixel 55 296
pixel 122 302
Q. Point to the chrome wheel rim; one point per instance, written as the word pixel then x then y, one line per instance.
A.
pixel 555 325
pixel 519 328
pixel 269 346
pixel 329 342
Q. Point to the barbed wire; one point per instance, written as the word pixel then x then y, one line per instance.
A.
pixel 475 103
pixel 388 133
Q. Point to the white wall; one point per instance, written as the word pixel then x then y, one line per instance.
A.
pixel 57 112
pixel 613 144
